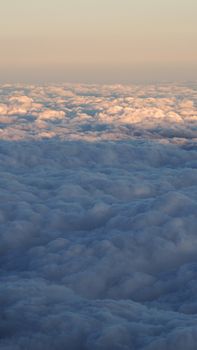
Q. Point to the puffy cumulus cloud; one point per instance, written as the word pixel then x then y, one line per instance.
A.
pixel 52 114
pixel 98 217
pixel 92 113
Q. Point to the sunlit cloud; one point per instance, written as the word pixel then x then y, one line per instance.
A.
pixel 98 217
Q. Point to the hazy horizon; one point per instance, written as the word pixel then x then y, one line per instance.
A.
pixel 98 155
pixel 98 41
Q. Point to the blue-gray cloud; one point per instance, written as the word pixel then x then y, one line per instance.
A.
pixel 98 217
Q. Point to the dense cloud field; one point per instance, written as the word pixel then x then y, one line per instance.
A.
pixel 98 216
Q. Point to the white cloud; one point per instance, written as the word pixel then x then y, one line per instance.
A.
pixel 98 217
pixel 52 115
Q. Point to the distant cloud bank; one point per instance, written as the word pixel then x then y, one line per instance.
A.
pixel 98 206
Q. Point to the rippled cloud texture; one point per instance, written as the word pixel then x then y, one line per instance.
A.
pixel 98 220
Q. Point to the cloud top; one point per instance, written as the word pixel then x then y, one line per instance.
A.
pixel 98 217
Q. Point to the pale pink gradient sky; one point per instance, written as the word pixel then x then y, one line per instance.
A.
pixel 98 40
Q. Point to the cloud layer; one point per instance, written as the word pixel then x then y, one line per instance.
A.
pixel 98 217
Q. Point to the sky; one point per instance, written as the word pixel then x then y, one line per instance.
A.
pixel 98 40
